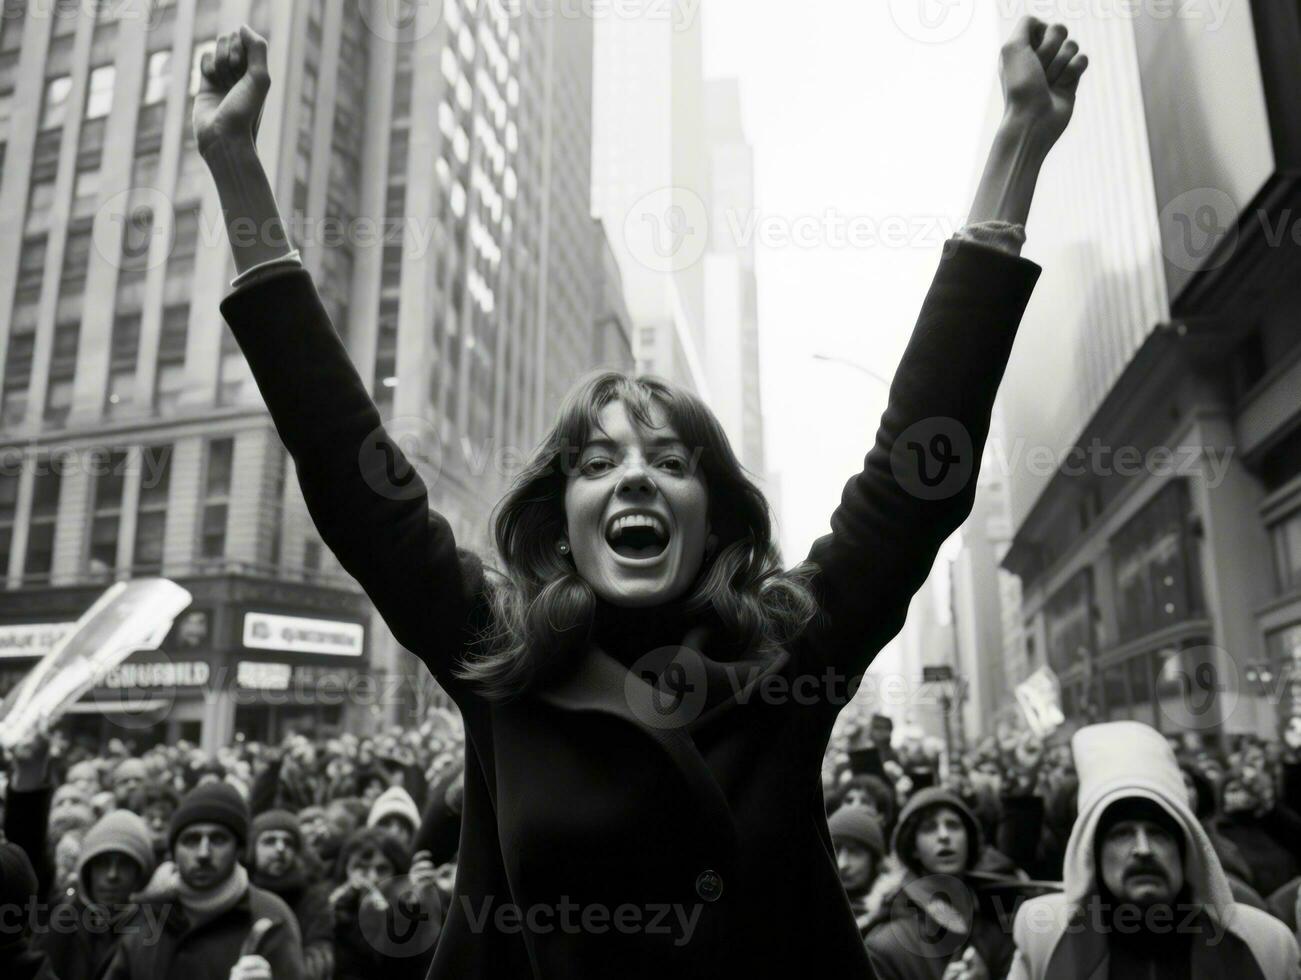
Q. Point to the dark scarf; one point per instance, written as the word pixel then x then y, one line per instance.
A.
pixel 1134 952
pixel 628 633
pixel 289 886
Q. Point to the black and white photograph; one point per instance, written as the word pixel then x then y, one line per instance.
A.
pixel 650 489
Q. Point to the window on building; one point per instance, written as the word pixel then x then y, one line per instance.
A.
pixel 151 511
pixel 54 107
pixel 99 93
pixel 311 558
pixel 18 377
pixel 11 25
pixel 6 112
pixel 1069 624
pixel 216 497
pixel 169 381
pixel 158 73
pixel 8 513
pixel 279 468
pixel 1286 535
pixel 125 348
pixel 1157 582
pixel 63 368
pixel 109 473
pixel 233 372
pixel 39 559
pixel 76 258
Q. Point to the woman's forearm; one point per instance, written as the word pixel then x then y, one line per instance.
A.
pixel 254 227
pixel 1011 171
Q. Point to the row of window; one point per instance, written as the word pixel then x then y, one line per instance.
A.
pixel 139 482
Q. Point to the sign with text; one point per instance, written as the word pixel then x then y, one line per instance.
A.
pixel 297 634
pixel 1040 697
pixel 165 674
pixel 31 639
pixel 263 677
pixel 129 616
pixel 937 673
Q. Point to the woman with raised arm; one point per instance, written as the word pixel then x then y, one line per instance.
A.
pixel 647 693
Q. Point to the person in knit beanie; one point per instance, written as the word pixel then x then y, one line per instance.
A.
pixel 859 841
pixel 1143 892
pixel 279 863
pixel 209 910
pixel 395 813
pixel 18 891
pixel 115 862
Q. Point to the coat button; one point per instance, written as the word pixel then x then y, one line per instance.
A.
pixel 709 886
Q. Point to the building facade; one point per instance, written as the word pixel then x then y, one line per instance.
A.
pixel 1152 404
pixel 429 163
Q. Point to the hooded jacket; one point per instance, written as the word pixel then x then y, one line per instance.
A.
pixel 930 920
pixel 1059 936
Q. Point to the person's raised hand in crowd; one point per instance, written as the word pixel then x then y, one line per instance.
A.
pixel 969 967
pixel 251 968
pixel 32 759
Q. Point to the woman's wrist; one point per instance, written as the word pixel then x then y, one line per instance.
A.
pixel 1011 172
pixel 254 227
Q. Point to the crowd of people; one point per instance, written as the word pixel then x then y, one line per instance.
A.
pixel 1121 850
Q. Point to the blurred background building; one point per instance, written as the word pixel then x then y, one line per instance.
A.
pixel 1151 449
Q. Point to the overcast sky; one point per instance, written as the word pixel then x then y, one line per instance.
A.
pixel 846 111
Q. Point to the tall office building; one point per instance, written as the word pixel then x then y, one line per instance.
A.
pixel 650 179
pixel 430 159
pixel 1151 400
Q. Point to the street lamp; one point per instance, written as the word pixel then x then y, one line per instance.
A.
pixel 854 364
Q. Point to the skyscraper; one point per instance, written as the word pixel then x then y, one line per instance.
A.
pixel 430 161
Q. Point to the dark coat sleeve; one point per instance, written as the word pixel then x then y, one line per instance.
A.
pixel 367 501
pixel 440 827
pixel 918 482
pixel 27 822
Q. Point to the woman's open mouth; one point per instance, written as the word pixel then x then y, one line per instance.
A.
pixel 638 537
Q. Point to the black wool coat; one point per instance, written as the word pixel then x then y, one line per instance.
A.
pixel 601 838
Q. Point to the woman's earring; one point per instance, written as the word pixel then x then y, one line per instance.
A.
pixel 563 547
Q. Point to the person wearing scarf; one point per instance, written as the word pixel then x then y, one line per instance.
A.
pixel 283 866
pixel 207 907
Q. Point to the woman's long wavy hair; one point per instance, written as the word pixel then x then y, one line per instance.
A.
pixel 542 609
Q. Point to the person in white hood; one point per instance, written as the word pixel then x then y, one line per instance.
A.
pixel 1143 893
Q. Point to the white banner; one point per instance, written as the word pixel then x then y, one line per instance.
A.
pixel 1040 697
pixel 129 616
pixel 297 634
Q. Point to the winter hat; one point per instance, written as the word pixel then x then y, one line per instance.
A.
pixel 1123 760
pixel 277 820
pixel 857 823
pixel 905 831
pixel 394 801
pixel 217 803
pixel 1139 808
pixel 366 839
pixel 18 884
pixel 119 832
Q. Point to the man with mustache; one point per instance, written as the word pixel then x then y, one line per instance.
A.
pixel 280 864
pixel 210 908
pixel 1144 894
